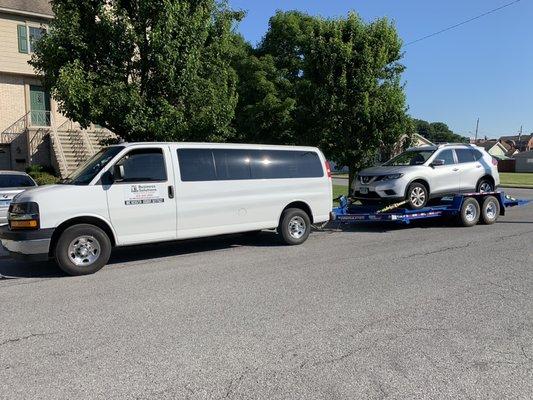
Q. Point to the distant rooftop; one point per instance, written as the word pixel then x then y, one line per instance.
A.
pixel 41 7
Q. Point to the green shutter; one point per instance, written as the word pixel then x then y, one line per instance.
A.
pixel 23 38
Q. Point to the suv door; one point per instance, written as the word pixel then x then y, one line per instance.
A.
pixel 470 169
pixel 445 178
pixel 142 205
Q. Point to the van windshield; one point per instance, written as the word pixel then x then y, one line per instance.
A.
pixel 411 157
pixel 90 168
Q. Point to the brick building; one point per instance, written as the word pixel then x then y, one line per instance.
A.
pixel 32 131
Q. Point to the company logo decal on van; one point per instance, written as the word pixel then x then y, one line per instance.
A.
pixel 142 194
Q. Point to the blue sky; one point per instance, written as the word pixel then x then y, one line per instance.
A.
pixel 483 69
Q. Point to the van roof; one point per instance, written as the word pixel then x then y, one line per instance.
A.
pixel 217 145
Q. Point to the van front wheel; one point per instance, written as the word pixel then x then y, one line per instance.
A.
pixel 82 250
pixel 294 226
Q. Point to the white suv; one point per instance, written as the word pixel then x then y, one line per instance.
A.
pixel 422 173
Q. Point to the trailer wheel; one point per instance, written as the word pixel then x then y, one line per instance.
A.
pixel 294 226
pixel 490 210
pixel 82 249
pixel 470 212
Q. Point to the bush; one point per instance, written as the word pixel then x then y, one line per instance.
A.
pixel 42 175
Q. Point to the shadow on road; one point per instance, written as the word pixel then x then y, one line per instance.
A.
pixel 14 269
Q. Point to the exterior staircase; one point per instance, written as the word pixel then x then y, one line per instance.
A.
pixel 64 147
pixel 72 145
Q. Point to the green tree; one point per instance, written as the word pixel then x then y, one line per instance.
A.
pixel 330 83
pixel 437 132
pixel 145 69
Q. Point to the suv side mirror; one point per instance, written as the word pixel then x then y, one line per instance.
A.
pixel 118 173
pixel 438 162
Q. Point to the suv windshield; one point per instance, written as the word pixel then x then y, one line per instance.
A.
pixel 411 157
pixel 15 181
pixel 90 168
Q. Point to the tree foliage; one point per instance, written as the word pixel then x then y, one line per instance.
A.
pixel 175 70
pixel 330 83
pixel 145 69
pixel 437 132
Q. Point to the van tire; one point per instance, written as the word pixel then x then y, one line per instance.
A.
pixel 470 212
pixel 82 244
pixel 294 226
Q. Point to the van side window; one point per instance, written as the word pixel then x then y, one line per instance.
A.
pixel 196 165
pixel 465 155
pixel 232 164
pixel 144 165
pixel 281 164
pixel 236 164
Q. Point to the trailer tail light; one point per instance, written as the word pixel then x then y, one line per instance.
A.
pixel 494 161
pixel 328 168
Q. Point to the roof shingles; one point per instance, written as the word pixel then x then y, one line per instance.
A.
pixel 32 6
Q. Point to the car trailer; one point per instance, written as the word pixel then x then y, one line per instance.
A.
pixel 468 209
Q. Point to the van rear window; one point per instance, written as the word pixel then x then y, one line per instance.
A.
pixel 240 164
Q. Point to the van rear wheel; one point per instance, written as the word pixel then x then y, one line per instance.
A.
pixel 294 226
pixel 82 250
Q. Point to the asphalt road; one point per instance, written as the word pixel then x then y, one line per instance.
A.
pixel 426 312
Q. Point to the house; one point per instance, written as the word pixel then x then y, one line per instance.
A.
pixel 524 162
pixel 519 142
pixel 32 130
pixel 495 149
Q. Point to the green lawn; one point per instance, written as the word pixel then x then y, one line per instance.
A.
pixel 516 179
pixel 339 190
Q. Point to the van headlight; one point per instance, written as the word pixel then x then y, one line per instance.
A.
pixel 391 177
pixel 23 216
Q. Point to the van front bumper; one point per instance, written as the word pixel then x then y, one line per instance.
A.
pixel 27 245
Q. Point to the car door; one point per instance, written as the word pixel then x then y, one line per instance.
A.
pixel 142 205
pixel 470 170
pixel 445 177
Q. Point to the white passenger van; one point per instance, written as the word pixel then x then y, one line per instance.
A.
pixel 140 193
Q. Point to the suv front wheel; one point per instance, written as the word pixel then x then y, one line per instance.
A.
pixel 417 196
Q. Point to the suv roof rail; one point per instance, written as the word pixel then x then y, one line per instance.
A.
pixel 454 144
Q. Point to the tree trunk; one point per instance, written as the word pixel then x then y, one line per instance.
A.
pixel 351 176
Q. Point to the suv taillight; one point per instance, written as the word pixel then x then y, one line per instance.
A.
pixel 328 168
pixel 494 161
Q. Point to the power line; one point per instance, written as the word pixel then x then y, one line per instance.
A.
pixel 463 23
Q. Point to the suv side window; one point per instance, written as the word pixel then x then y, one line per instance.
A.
pixel 144 165
pixel 447 156
pixel 465 155
pixel 478 155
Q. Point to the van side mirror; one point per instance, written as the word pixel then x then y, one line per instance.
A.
pixel 118 173
pixel 438 162
pixel 108 178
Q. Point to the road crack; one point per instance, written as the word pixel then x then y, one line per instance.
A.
pixel 33 335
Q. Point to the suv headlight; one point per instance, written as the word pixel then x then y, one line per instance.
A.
pixel 391 177
pixel 23 216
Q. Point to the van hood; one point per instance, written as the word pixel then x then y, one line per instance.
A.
pixel 390 170
pixel 46 191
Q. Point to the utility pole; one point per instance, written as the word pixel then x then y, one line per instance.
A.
pixel 477 129
pixel 520 134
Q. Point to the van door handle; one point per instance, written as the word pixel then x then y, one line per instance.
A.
pixel 171 192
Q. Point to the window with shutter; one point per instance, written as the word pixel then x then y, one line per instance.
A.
pixel 22 38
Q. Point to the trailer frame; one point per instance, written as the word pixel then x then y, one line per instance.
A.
pixel 450 206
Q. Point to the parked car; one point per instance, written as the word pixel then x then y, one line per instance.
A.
pixel 422 173
pixel 12 183
pixel 141 193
